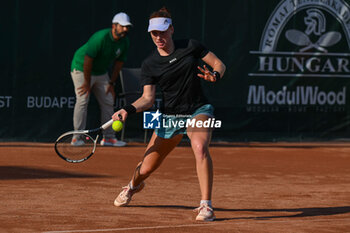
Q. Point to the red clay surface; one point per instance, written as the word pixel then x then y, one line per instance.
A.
pixel 276 187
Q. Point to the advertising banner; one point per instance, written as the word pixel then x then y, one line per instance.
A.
pixel 287 61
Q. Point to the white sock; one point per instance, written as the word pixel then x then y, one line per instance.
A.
pixel 208 202
pixel 133 187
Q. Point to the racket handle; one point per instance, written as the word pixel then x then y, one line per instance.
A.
pixel 107 124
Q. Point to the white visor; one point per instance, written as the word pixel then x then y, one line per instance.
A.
pixel 159 24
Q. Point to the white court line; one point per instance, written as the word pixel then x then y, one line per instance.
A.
pixel 193 225
pixel 133 228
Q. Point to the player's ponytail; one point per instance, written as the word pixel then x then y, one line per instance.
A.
pixel 162 12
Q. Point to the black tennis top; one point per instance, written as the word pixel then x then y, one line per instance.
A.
pixel 176 76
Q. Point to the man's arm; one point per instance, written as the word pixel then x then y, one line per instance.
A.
pixel 117 67
pixel 85 88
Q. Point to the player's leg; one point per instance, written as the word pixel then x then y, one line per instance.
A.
pixel 81 104
pixel 158 148
pixel 200 140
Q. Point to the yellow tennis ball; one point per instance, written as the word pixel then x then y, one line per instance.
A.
pixel 117 126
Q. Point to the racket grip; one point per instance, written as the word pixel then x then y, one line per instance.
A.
pixel 107 124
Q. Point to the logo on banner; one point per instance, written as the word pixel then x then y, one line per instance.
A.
pixel 315 22
pixel 303 39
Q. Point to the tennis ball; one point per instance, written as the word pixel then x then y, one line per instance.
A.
pixel 117 126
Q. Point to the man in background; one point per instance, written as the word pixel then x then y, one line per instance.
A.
pixel 89 71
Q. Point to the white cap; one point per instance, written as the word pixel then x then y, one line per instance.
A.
pixel 122 18
pixel 159 24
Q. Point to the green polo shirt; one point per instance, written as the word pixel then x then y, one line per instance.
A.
pixel 103 49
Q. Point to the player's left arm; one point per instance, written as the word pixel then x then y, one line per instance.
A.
pixel 216 64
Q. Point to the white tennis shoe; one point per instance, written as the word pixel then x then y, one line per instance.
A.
pixel 126 194
pixel 205 213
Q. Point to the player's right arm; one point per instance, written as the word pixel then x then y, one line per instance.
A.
pixel 141 104
pixel 147 99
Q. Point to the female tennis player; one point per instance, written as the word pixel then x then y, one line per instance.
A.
pixel 174 67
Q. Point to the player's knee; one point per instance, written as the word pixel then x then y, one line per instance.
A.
pixel 200 150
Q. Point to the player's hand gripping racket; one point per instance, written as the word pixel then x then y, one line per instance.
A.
pixel 78 146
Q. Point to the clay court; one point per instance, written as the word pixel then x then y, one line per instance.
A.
pixel 258 187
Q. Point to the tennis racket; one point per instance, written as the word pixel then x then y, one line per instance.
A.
pixel 78 146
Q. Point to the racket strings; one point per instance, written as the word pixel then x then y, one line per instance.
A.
pixel 75 146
